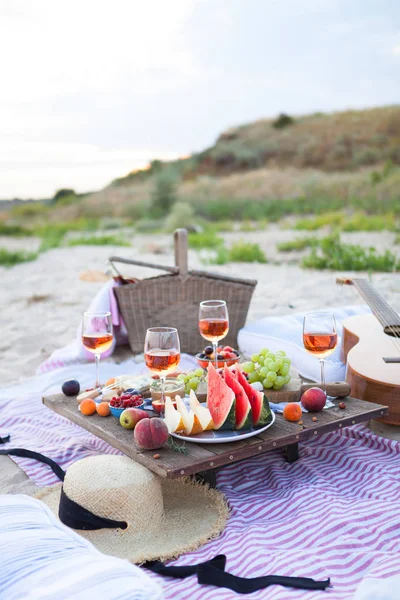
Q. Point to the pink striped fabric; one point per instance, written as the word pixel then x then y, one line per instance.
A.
pixel 334 513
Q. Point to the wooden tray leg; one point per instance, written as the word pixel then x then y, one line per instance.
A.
pixel 292 452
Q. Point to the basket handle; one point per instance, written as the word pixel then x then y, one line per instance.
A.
pixel 181 256
pixel 141 263
pixel 181 251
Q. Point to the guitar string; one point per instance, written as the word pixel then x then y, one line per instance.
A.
pixel 374 304
pixel 379 314
pixel 388 310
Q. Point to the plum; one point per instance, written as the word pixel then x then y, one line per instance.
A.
pixel 71 387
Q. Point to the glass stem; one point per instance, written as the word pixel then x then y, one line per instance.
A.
pixel 322 365
pixel 214 345
pixel 97 360
pixel 162 400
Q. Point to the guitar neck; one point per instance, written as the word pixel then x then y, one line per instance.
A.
pixel 381 309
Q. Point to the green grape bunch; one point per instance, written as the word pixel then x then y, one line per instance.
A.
pixel 270 369
pixel 192 379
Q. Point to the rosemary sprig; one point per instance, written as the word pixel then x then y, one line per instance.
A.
pixel 172 445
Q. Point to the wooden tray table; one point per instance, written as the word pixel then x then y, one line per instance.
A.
pixel 205 459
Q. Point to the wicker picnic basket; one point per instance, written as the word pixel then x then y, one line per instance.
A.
pixel 173 300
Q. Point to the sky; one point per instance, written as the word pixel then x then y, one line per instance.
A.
pixel 92 89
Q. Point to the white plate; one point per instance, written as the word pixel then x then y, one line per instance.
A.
pixel 224 436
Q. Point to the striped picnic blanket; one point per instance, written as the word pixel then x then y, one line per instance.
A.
pixel 333 513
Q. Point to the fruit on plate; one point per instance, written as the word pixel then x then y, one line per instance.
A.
pixel 313 399
pixel 71 387
pixel 150 434
pixel 190 420
pixel 260 409
pixel 269 368
pixel 130 417
pixel 192 379
pixel 244 418
pixel 172 417
pixel 201 411
pixel 127 400
pixel 221 400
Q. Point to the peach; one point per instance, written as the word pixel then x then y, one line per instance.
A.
pixel 313 399
pixel 150 434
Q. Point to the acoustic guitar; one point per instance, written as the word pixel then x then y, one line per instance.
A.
pixel 371 349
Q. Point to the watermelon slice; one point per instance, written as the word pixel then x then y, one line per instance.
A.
pixel 243 408
pixel 220 400
pixel 259 402
pixel 262 408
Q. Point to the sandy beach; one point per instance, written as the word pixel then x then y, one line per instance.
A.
pixel 42 301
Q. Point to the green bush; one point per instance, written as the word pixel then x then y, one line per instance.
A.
pixel 331 219
pixel 236 155
pixel 297 244
pixel 51 239
pixel 238 252
pixel 246 252
pixel 101 240
pixel 30 210
pixel 282 121
pixel 356 222
pixel 335 255
pixel 181 215
pixel 164 193
pixel 10 258
pixel 14 230
pixel 206 239
pixel 149 225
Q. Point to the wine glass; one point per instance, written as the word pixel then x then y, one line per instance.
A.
pixel 162 354
pixel 97 335
pixel 213 322
pixel 320 337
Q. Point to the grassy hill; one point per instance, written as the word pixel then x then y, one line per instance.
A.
pixel 268 169
pixel 343 141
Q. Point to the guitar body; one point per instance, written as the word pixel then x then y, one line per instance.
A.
pixel 364 345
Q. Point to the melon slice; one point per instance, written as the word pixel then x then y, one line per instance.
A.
pixel 190 420
pixel 173 419
pixel 221 400
pixel 201 412
pixel 244 418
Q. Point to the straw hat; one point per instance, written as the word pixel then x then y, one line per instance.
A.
pixel 164 518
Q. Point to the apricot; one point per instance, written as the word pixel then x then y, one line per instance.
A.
pixel 87 407
pixel 292 411
pixel 103 409
pixel 150 434
pixel 110 381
